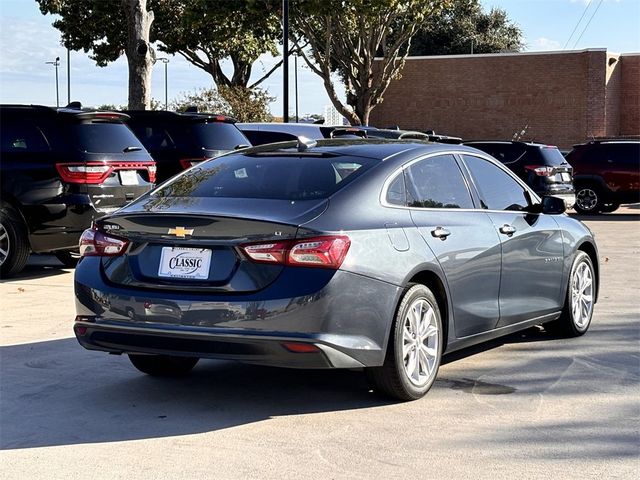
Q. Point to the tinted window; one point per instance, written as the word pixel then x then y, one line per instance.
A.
pixel 437 182
pixel 153 137
pixel 498 190
pixel 396 192
pixel 258 137
pixel 551 156
pixel 217 135
pixel 504 152
pixel 274 177
pixel 103 137
pixel 22 137
pixel 624 153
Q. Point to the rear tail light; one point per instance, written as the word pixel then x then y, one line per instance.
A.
pixel 94 243
pixel 299 347
pixel 190 162
pixel 324 252
pixel 540 170
pixel 98 172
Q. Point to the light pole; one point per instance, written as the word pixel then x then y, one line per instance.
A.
pixel 68 76
pixel 165 60
pixel 56 64
pixel 295 67
pixel 285 60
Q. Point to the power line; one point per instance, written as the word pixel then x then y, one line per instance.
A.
pixel 577 24
pixel 587 25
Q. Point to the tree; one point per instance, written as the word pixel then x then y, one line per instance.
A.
pixel 207 31
pixel 346 35
pixel 465 28
pixel 96 26
pixel 238 102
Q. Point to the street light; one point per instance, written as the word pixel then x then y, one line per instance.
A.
pixel 165 60
pixel 56 64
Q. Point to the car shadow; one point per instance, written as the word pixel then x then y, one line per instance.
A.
pixel 608 217
pixel 39 266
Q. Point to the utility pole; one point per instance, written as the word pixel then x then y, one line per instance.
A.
pixel 68 76
pixel 56 64
pixel 285 61
pixel 295 59
pixel 165 60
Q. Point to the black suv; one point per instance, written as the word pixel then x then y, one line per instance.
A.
pixel 263 133
pixel 177 141
pixel 606 174
pixel 61 169
pixel 540 166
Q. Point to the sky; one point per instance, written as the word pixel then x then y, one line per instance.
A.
pixel 28 41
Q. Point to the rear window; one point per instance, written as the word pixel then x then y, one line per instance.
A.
pixel 103 137
pixel 218 135
pixel 259 137
pixel 551 156
pixel 273 177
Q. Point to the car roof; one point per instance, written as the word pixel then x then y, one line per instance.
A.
pixel 166 114
pixel 381 149
pixel 509 142
pixel 67 111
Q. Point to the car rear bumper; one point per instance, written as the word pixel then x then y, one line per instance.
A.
pixel 347 320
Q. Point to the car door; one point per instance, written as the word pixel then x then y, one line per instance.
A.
pixel 462 238
pixel 532 244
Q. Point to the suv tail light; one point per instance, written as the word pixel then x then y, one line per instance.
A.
pixel 190 162
pixel 324 252
pixel 94 243
pixel 98 172
pixel 541 170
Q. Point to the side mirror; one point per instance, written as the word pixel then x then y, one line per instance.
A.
pixel 553 205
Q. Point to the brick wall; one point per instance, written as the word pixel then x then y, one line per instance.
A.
pixel 630 95
pixel 560 97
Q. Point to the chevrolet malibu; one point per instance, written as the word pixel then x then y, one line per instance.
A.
pixel 377 255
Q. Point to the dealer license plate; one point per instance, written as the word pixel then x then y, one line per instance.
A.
pixel 181 262
pixel 129 177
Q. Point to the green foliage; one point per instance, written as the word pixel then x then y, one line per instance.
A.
pixel 241 103
pixel 345 36
pixel 464 23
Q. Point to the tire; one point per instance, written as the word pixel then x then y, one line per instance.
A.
pixel 574 321
pixel 610 207
pixel 69 258
pixel 163 365
pixel 589 200
pixel 14 246
pixel 397 377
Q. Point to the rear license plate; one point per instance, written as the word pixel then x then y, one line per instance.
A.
pixel 566 177
pixel 180 262
pixel 129 177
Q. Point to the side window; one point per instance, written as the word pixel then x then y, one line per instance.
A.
pixel 153 137
pixel 624 153
pixel 437 182
pixel 498 190
pixel 22 136
pixel 396 192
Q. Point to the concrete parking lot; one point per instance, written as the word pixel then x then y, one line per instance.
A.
pixel 526 406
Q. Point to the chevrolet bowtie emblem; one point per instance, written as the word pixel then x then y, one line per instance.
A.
pixel 181 231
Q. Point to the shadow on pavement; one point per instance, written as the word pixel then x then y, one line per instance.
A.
pixel 607 217
pixel 38 266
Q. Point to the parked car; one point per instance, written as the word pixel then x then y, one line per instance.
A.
pixel 606 174
pixel 397 134
pixel 61 169
pixel 541 166
pixel 177 141
pixel 263 133
pixel 274 256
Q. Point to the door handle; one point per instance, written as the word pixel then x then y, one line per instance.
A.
pixel 507 229
pixel 441 233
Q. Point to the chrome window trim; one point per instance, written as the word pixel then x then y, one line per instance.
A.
pixel 460 153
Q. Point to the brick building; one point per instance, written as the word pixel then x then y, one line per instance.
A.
pixel 560 98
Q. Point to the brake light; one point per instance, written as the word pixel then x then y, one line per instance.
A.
pixel 97 172
pixel 190 162
pixel 94 243
pixel 540 170
pixel 324 252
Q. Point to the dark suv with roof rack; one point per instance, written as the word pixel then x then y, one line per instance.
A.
pixel 61 169
pixel 541 166
pixel 177 141
pixel 606 174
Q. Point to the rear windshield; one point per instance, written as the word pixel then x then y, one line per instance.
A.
pixel 218 135
pixel 552 156
pixel 103 137
pixel 273 177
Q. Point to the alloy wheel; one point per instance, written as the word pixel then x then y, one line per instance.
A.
pixel 420 342
pixel 582 295
pixel 587 199
pixel 4 244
